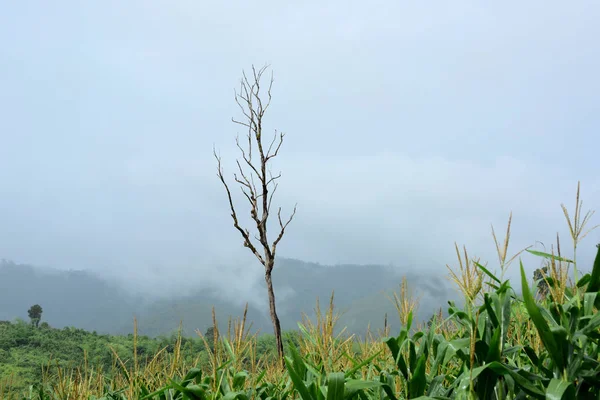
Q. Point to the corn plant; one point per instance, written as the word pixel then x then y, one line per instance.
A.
pixel 570 333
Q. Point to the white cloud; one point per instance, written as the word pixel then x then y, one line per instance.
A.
pixel 409 128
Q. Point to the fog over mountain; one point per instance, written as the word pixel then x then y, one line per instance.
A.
pixel 362 295
pixel 408 128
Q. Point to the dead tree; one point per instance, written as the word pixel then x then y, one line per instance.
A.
pixel 257 183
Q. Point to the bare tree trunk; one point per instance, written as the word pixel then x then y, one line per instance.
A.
pixel 273 312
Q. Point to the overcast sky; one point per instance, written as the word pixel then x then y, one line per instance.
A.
pixel 410 125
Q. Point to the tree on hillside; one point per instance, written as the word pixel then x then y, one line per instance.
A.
pixel 211 336
pixel 540 275
pixel 35 314
pixel 257 183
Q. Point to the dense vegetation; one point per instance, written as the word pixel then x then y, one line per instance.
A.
pixel 507 341
pixel 29 354
pixel 500 347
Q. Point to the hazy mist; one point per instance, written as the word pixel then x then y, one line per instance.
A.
pixel 408 127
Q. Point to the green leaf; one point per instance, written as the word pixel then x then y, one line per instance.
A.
pixel 235 396
pixel 435 386
pixel 227 346
pixel 297 370
pixel 191 375
pixel 358 384
pixel 506 313
pixel 589 299
pixel 260 377
pixel 335 386
pixel 297 381
pixel 354 386
pixel 394 346
pixel 532 356
pixel 426 343
pixel 456 346
pixel 488 273
pixel 297 361
pixel 584 280
pixel 490 310
pixel 549 256
pixel 154 394
pixel 417 336
pixel 540 323
pixel 418 380
pixel 307 334
pixel 412 355
pixel 560 336
pixel 494 350
pixel 508 351
pixel 194 392
pixel 592 325
pixel 362 364
pixel 558 389
pixel 574 367
pixel 594 284
pixel 239 379
pixel 439 358
pixel 500 368
pixel 387 388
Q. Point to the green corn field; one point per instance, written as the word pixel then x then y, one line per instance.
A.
pixel 510 340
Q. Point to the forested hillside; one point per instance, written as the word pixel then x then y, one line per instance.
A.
pixel 85 301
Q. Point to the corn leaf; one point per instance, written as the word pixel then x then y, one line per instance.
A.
pixel 335 386
pixel 540 323
pixel 558 389
pixel 549 256
pixel 594 285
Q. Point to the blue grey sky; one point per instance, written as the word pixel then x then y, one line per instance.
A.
pixel 410 125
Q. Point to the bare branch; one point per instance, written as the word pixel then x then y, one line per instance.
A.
pixel 269 156
pixel 254 186
pixel 272 143
pixel 251 198
pixel 269 92
pixel 242 104
pixel 240 122
pixel 257 78
pixel 271 198
pixel 248 158
pixel 246 182
pixel 249 94
pixel 273 178
pixel 245 234
pixel 282 226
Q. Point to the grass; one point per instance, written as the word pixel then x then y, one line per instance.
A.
pixel 499 345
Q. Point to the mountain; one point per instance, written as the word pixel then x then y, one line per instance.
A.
pixel 68 298
pixel 83 300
